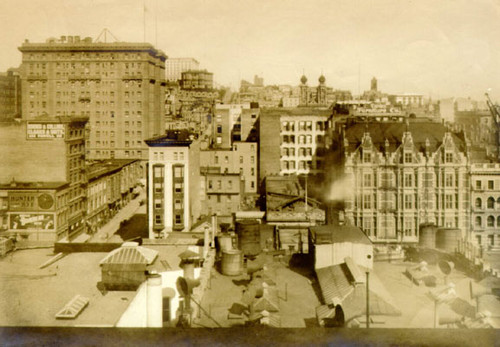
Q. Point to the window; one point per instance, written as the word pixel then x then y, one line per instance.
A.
pixel 491 185
pixel 367 157
pixel 158 219
pixel 479 221
pixel 491 202
pixel 216 159
pixel 408 201
pixel 241 159
pixel 449 157
pixel 449 180
pixel 219 140
pixel 178 171
pixel 408 157
pixel 367 180
pixel 479 203
pixel 219 129
pixel 491 221
pixel 449 201
pixel 478 185
pixel 408 180
pixel 367 201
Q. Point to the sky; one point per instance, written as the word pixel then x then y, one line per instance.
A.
pixel 438 48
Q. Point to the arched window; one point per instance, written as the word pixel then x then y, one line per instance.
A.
pixel 498 202
pixel 479 202
pixel 491 202
pixel 479 221
pixel 498 221
pixel 491 221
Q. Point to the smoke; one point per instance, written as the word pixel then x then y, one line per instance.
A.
pixel 340 189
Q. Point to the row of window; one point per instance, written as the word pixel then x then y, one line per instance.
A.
pixel 408 157
pixel 302 139
pixel 87 84
pixel 490 185
pixel 490 203
pixel 163 156
pixel 303 125
pixel 111 154
pixel 83 56
pixel 490 222
pixel 448 201
pixel 410 180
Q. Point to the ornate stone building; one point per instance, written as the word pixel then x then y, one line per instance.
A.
pixel 397 176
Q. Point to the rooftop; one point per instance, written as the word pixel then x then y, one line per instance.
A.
pixel 101 168
pixel 328 234
pixel 174 138
pixel 393 133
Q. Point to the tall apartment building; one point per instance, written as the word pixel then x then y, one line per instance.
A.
pixel 173 183
pixel 174 67
pixel 394 177
pixel 119 86
pixel 292 141
pixel 485 198
pixel 44 154
pixel 10 95
pixel 234 123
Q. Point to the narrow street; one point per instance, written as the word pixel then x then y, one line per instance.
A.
pixel 107 231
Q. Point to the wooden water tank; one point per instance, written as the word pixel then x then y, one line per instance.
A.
pixel 427 237
pixel 232 262
pixel 447 239
pixel 248 237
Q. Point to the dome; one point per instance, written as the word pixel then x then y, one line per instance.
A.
pixel 303 79
pixel 322 79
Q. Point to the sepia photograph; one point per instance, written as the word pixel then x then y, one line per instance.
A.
pixel 248 173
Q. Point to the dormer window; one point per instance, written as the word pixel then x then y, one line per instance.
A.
pixel 367 157
pixel 448 157
pixel 408 157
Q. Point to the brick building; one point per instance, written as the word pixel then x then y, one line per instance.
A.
pixel 298 148
pixel 46 153
pixel 10 95
pixel 174 67
pixel 119 86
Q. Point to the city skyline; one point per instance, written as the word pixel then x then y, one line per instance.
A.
pixel 437 49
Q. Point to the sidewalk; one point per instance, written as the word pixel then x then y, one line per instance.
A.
pixel 112 226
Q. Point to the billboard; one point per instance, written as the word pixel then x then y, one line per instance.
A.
pixel 30 221
pixel 30 201
pixel 43 131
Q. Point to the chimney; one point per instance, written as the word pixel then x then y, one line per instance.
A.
pixel 154 301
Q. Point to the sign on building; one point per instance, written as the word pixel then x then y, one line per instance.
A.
pixel 41 131
pixel 26 221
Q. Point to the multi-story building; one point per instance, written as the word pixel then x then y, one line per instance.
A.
pixel 34 211
pixel 407 99
pixel 174 67
pixel 10 95
pixel 119 86
pixel 241 159
pixel 234 123
pixel 197 80
pixel 299 146
pixel 49 152
pixel 174 198
pixel 485 204
pixel 394 177
pixel 223 193
pixel 111 184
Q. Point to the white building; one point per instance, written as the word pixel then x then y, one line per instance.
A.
pixel 173 182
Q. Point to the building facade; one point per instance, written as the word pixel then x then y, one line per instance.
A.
pixel 299 148
pixel 174 197
pixel 48 151
pixel 485 205
pixel 397 176
pixel 111 185
pixel 222 194
pixel 119 86
pixel 197 80
pixel 234 123
pixel 241 159
pixel 10 95
pixel 174 67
